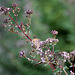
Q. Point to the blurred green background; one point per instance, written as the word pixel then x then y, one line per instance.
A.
pixel 48 15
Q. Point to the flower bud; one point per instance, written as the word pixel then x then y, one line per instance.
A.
pixel 14 5
pixel 29 12
pixel 5 21
pixel 21 53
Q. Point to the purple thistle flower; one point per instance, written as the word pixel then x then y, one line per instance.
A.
pixel 54 32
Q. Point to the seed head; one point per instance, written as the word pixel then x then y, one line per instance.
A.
pixel 14 5
pixel 6 11
pixel 2 8
pixel 29 12
pixel 5 21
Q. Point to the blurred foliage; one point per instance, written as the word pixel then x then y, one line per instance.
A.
pixel 48 15
pixel 59 15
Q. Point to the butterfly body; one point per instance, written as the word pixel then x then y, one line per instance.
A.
pixel 36 42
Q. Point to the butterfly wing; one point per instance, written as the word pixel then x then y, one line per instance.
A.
pixel 36 42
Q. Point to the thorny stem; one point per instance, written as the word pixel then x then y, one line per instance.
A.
pixel 20 28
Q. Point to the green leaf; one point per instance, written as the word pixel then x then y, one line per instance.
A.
pixel 56 51
pixel 65 67
pixel 57 70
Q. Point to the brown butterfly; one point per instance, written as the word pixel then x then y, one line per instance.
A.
pixel 36 42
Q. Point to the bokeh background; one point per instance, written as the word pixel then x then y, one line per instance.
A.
pixel 47 15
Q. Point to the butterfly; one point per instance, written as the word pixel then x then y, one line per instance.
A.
pixel 36 42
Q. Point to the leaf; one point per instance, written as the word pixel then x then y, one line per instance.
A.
pixel 56 51
pixel 57 70
pixel 65 67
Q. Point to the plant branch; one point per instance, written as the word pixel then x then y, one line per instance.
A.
pixel 20 28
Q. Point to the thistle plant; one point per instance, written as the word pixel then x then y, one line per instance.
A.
pixel 44 49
